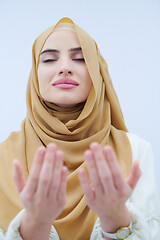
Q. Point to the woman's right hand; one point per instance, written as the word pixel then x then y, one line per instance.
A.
pixel 44 193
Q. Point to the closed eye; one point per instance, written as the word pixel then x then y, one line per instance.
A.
pixel 49 60
pixel 78 59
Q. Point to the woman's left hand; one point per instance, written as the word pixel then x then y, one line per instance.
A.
pixel 109 191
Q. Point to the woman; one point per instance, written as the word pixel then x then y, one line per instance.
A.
pixel 76 154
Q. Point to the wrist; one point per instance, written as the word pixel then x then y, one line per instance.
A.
pixel 113 223
pixel 32 229
pixel 121 233
pixel 36 220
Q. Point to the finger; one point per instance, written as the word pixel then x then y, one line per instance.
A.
pixel 61 196
pixel 134 175
pixel 56 175
pixel 45 177
pixel 103 169
pixel 18 176
pixel 32 181
pixel 84 181
pixel 111 158
pixel 93 173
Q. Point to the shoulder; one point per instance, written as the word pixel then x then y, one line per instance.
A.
pixel 15 137
pixel 137 141
pixel 8 145
pixel 140 147
pixel 146 191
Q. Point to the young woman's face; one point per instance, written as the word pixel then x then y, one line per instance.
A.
pixel 62 73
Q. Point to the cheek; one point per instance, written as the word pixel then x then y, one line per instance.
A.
pixel 86 76
pixel 42 81
pixel 44 76
pixel 88 79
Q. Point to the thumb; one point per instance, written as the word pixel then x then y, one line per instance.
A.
pixel 18 176
pixel 134 176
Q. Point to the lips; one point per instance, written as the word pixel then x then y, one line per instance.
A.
pixel 65 81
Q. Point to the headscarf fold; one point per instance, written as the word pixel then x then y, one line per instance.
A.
pixel 73 129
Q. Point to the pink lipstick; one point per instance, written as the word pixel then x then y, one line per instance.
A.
pixel 65 83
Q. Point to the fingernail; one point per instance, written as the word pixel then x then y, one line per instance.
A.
pixel 95 146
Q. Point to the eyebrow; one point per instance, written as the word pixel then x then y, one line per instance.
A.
pixel 56 51
pixel 75 49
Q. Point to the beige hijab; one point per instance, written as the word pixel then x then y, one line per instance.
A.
pixel 72 129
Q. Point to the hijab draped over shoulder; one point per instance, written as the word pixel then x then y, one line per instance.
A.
pixel 98 119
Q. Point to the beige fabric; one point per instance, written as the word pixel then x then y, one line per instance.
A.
pixel 73 129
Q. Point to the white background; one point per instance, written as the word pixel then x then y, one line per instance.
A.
pixel 128 35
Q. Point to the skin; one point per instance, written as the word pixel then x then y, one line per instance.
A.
pixel 44 197
pixel 109 191
pixel 62 65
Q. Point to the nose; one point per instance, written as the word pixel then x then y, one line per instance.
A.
pixel 65 68
pixel 65 72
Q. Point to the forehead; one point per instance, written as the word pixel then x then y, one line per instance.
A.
pixel 62 39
